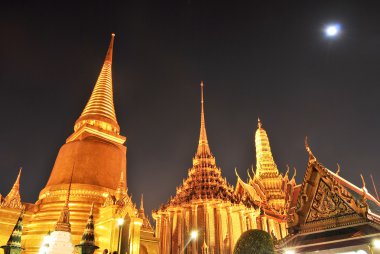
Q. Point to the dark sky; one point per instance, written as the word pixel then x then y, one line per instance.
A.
pixel 265 58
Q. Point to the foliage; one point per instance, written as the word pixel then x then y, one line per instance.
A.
pixel 254 242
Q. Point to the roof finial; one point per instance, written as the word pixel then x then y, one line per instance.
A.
pixel 338 169
pixel 287 170
pixel 259 124
pixel 374 187
pixel 311 155
pixel 363 181
pixel 294 174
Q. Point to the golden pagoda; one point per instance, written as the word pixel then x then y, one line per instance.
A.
pixel 93 163
pixel 205 210
pixel 268 189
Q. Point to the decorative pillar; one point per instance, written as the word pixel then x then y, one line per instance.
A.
pixel 243 223
pixel 134 234
pixel 194 219
pixel 284 231
pixel 179 232
pixel 264 225
pixel 230 230
pixel 219 232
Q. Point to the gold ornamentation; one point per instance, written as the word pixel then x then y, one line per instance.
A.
pixel 327 203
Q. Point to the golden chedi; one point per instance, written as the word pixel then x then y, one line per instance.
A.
pixel 205 215
pixel 93 162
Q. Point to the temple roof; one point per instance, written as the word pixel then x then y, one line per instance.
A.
pixel 326 200
pixel 204 181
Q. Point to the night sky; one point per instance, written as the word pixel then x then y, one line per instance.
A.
pixel 266 59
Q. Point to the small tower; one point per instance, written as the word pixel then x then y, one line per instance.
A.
pixel 60 238
pixel 13 199
pixel 87 244
pixel 13 245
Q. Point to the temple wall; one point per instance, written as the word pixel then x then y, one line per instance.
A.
pixel 219 225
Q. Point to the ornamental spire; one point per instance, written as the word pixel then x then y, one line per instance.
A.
pixel 100 110
pixel 264 158
pixel 13 199
pixel 203 150
pixel 87 244
pixel 63 223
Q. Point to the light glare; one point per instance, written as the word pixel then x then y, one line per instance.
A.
pixel 332 30
pixel 376 244
pixel 120 221
pixel 194 234
pixel 290 252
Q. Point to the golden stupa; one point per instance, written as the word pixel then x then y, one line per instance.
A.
pixel 93 161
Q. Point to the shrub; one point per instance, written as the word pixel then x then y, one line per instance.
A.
pixel 254 242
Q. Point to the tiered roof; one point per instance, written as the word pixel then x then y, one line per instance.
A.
pixel 204 181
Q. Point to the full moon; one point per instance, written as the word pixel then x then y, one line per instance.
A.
pixel 332 30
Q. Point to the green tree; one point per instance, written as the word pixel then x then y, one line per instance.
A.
pixel 254 242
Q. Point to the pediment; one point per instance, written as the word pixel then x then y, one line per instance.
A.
pixel 327 203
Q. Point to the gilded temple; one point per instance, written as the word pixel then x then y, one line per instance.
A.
pixel 219 213
pixel 85 204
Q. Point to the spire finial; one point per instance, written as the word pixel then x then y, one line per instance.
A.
pixel 203 147
pixel 142 202
pixel 259 124
pixel 110 50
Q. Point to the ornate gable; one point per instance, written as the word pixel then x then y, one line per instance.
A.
pixel 323 202
pixel 327 203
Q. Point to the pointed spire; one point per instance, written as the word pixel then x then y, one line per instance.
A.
pixel 13 199
pixel 142 203
pixel 264 158
pixel 203 147
pixel 87 244
pixel 100 110
pixel 121 189
pixel 63 223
